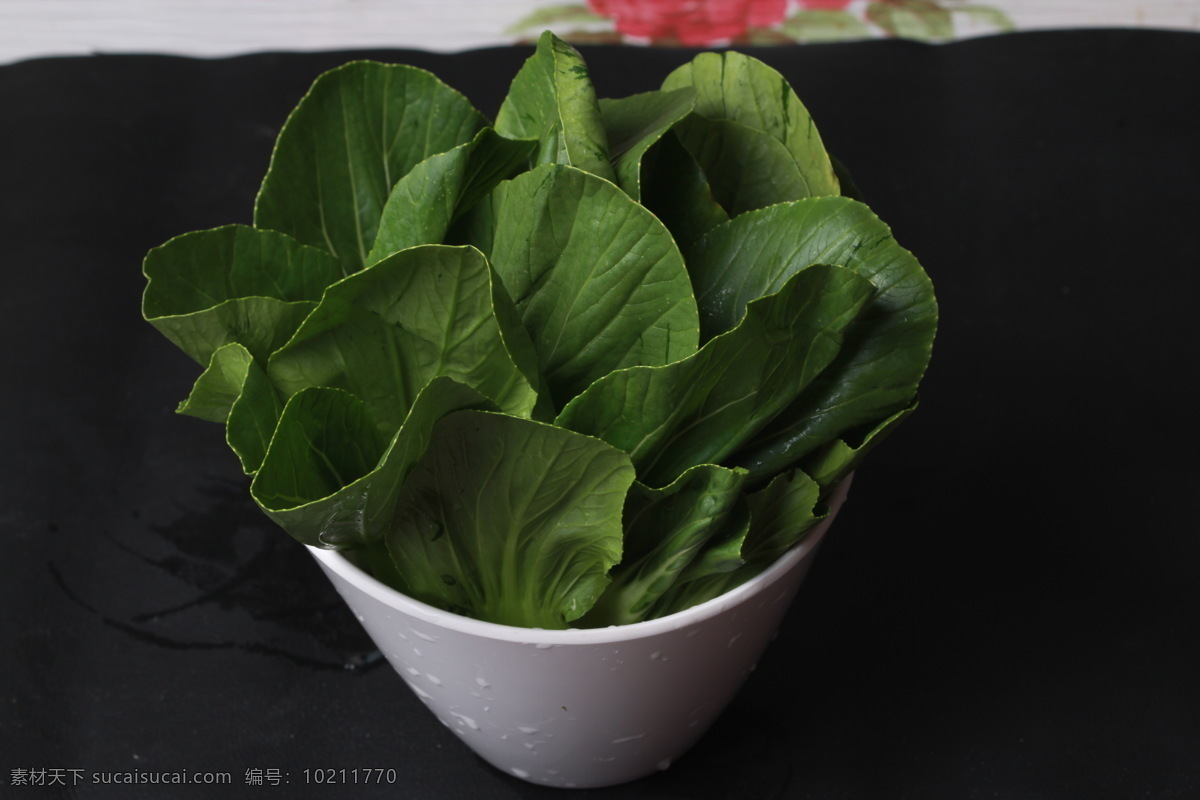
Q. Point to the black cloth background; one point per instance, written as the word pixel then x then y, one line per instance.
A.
pixel 1007 607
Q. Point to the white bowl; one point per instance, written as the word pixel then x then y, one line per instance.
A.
pixel 579 708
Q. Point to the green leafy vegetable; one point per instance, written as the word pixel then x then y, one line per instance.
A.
pixel 634 124
pixel 747 168
pixel 513 521
pixel 735 87
pixel 552 102
pixel 219 386
pixel 587 364
pixel 598 281
pixel 382 334
pixel 233 284
pixel 235 390
pixel 885 353
pixel 429 199
pixel 664 530
pixel 331 477
pixel 360 128
pixel 778 517
pixel 677 191
pixel 702 408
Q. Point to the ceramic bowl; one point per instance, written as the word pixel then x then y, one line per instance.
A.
pixel 578 708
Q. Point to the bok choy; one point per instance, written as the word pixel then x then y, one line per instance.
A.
pixel 588 363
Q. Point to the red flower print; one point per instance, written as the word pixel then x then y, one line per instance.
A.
pixel 829 4
pixel 692 22
pixel 766 12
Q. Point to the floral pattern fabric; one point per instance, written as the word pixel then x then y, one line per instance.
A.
pixel 688 21
pixel 698 23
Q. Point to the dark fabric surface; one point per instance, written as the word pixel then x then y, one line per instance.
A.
pixel 1007 607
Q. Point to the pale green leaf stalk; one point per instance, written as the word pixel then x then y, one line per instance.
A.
pixel 511 520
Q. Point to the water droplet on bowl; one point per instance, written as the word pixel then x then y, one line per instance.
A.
pixel 418 691
pixel 624 739
pixel 483 683
pixel 423 636
pixel 527 729
pixel 664 764
pixel 463 719
pixel 434 679
pixel 520 773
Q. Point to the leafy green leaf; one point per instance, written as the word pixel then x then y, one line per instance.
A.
pixel 829 465
pixel 325 440
pixel 780 516
pixel 426 202
pixel 217 388
pixel 552 101
pixel 701 409
pixel 720 555
pixel 510 520
pixel 253 417
pixel 664 530
pixel 824 25
pixel 232 284
pixel 360 128
pixel 676 190
pixel 746 167
pixel 598 281
pixel 634 124
pixel 235 390
pixel 331 478
pixel 887 348
pixel 741 89
pixel 922 20
pixel 385 332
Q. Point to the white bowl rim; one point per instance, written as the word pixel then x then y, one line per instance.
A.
pixel 369 585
